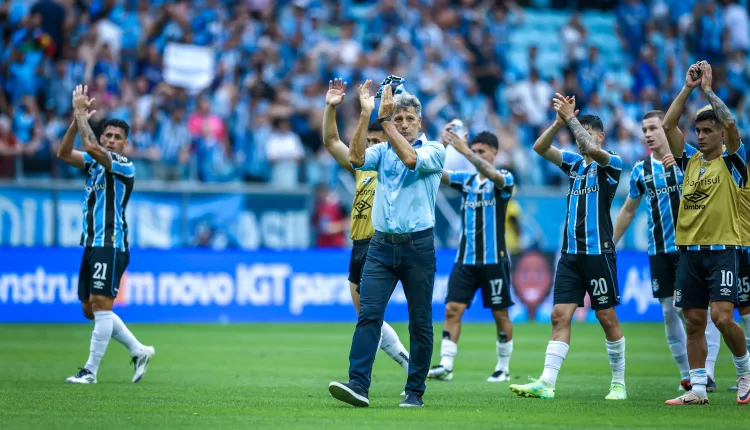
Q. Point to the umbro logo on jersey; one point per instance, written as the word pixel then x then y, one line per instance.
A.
pixel 362 206
pixel 648 178
pixel 696 197
pixel 725 291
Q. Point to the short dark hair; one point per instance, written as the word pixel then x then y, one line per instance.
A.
pixel 487 138
pixel 115 122
pixel 375 126
pixel 593 122
pixel 654 114
pixel 707 115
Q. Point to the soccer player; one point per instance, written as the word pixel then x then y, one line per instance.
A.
pixel 588 260
pixel 482 261
pixel 659 177
pixel 105 233
pixel 708 232
pixel 361 229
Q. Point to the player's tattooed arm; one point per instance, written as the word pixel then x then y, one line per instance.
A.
pixel 483 167
pixel 81 104
pixel 543 145
pixel 731 135
pixel 586 143
pixel 65 151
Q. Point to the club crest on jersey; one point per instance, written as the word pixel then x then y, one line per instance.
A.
pixel 701 172
pixel 654 284
pixel 367 180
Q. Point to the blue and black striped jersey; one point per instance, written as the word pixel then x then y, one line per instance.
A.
pixel 588 223
pixel 664 189
pixel 483 207
pixel 107 195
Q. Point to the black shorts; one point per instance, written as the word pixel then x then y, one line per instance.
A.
pixel 594 274
pixel 743 277
pixel 706 276
pixel 493 279
pixel 101 271
pixel 357 260
pixel 663 273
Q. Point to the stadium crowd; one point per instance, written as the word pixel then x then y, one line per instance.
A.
pixel 259 117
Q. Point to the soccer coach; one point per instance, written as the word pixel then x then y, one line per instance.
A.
pixel 403 247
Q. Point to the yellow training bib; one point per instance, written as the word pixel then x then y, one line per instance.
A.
pixel 708 208
pixel 364 196
pixel 744 214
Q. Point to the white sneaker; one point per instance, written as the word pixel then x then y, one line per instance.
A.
pixel 140 362
pixel 499 376
pixel 440 373
pixel 84 376
pixel 403 394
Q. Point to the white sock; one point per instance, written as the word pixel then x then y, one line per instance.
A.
pixel 680 313
pixel 556 352
pixel 99 339
pixel 121 334
pixel 504 350
pixel 746 323
pixel 391 345
pixel 448 351
pixel 742 364
pixel 698 379
pixel 713 339
pixel 676 337
pixel 616 352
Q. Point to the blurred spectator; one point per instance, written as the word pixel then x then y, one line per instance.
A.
pixel 490 63
pixel 329 219
pixel 9 148
pixel 284 153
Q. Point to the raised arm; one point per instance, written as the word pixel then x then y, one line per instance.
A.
pixel 357 148
pixel 65 151
pixel 81 105
pixel 731 134
pixel 400 145
pixel 483 167
pixel 672 117
pixel 625 218
pixel 331 139
pixel 586 144
pixel 543 145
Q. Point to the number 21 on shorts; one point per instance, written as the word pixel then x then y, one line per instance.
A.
pixel 100 271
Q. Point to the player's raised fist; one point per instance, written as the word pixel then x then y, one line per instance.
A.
pixel 693 76
pixel 336 92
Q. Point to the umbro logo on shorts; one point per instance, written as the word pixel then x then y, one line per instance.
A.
pixel 98 285
pixel 725 291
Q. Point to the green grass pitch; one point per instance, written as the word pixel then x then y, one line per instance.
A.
pixel 276 377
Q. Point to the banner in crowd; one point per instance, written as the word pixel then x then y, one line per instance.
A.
pixel 167 220
pixel 201 286
pixel 163 220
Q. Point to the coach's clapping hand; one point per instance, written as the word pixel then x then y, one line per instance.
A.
pixel 366 101
pixel 386 102
pixel 668 161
